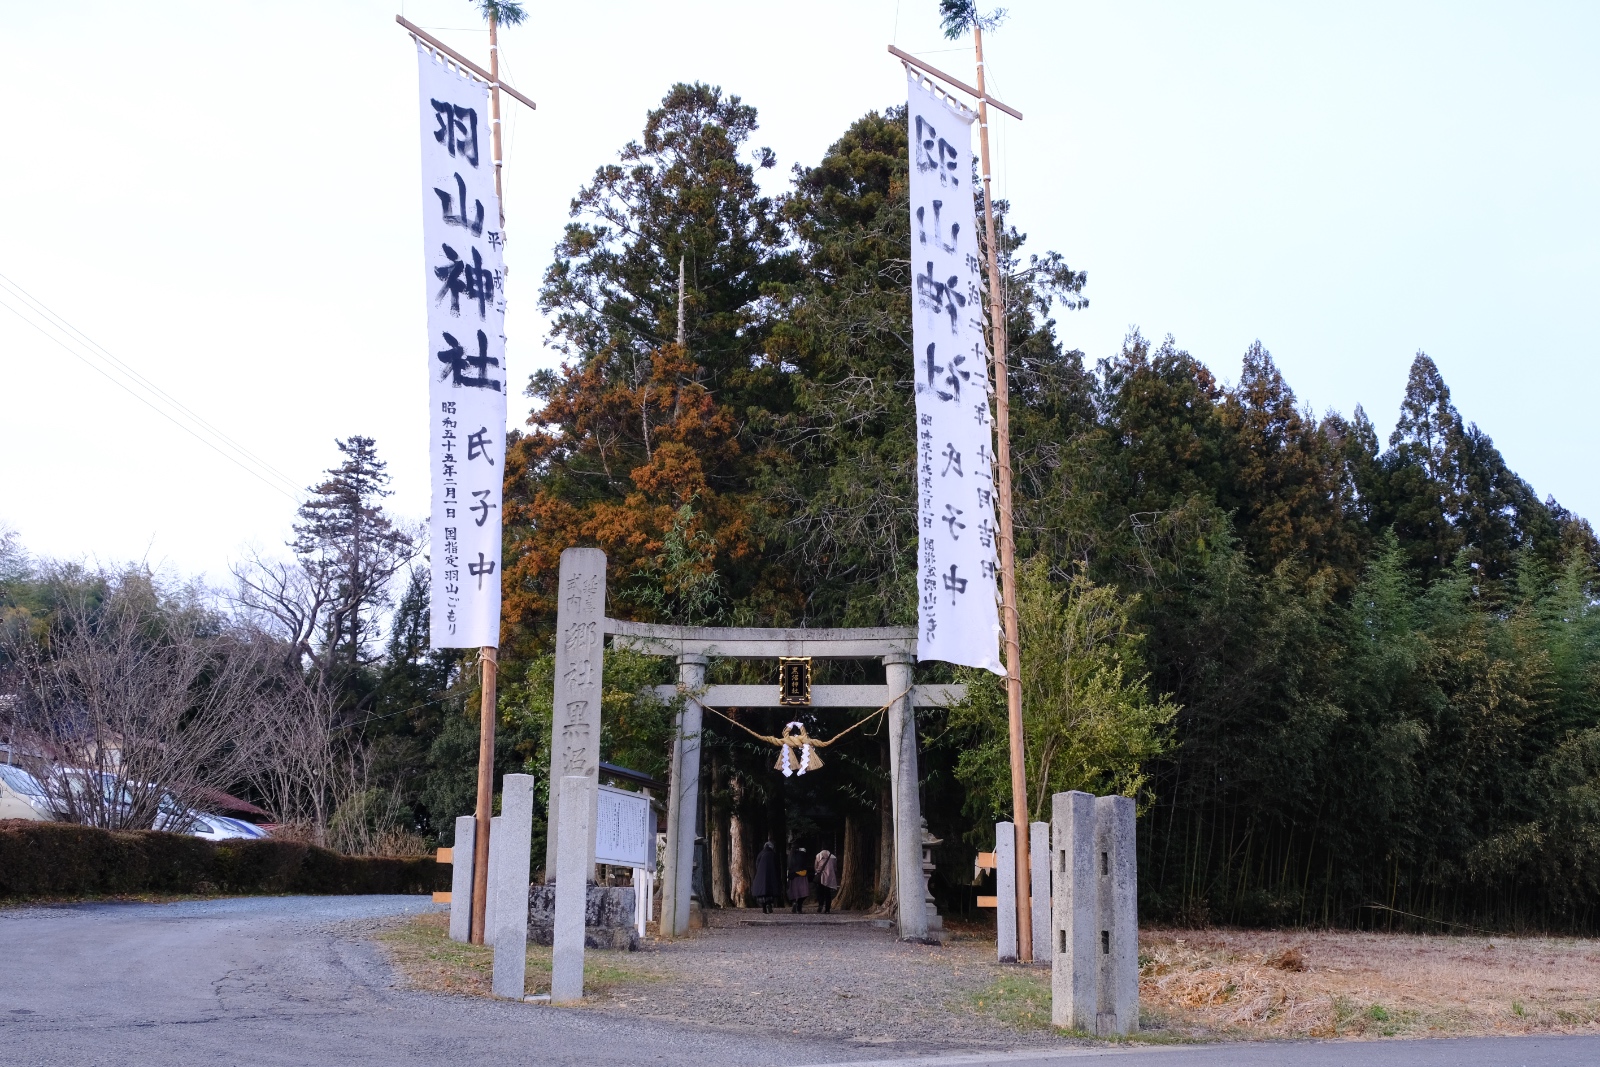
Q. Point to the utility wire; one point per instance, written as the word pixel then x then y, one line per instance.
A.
pixel 38 306
pixel 97 354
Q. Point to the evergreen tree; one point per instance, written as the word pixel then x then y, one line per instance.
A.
pixel 345 539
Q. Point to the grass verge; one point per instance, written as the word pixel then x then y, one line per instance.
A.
pixel 422 951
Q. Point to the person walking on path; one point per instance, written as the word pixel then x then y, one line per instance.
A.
pixel 769 884
pixel 827 881
pixel 799 878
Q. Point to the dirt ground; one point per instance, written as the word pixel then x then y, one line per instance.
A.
pixel 1333 984
pixel 861 984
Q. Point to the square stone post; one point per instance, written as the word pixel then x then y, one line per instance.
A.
pixel 461 879
pixel 510 855
pixel 1005 887
pixel 1074 925
pixel 907 802
pixel 683 801
pixel 489 900
pixel 580 653
pixel 1118 907
pixel 572 892
pixel 1039 874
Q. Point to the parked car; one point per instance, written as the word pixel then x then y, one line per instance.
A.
pixel 223 828
pixel 22 796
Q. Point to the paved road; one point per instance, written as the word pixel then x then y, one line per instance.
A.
pixel 270 981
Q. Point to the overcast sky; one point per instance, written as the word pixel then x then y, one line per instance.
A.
pixel 225 196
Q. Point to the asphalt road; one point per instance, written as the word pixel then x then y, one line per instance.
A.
pixel 271 981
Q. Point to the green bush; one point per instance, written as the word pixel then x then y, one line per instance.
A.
pixel 47 859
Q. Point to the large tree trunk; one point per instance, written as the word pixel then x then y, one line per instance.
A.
pixel 741 871
pixel 885 887
pixel 718 832
pixel 858 866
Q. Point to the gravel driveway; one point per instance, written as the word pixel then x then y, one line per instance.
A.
pixel 841 981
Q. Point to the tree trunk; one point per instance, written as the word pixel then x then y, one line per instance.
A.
pixel 857 867
pixel 740 872
pixel 885 887
pixel 886 880
pixel 718 832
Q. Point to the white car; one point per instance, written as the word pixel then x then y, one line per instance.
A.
pixel 22 796
pixel 223 828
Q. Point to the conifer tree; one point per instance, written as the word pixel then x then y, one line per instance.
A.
pixel 345 538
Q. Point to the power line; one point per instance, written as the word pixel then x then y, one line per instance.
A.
pixel 97 354
pixel 38 306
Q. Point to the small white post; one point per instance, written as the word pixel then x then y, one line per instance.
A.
pixel 508 885
pixel 1039 871
pixel 1005 887
pixel 641 899
pixel 461 879
pixel 572 892
pixel 495 853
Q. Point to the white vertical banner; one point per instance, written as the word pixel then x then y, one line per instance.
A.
pixel 958 616
pixel 466 353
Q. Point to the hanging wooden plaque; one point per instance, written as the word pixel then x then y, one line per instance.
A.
pixel 794 680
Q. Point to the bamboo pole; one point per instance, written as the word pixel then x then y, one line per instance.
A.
pixel 443 49
pixel 488 662
pixel 1008 556
pixel 489 657
pixel 494 114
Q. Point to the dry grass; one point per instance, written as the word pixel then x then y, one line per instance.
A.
pixel 1193 984
pixel 1249 983
pixel 421 949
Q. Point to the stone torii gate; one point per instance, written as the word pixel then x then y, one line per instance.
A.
pixel 581 628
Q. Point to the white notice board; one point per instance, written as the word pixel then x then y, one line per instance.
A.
pixel 625 830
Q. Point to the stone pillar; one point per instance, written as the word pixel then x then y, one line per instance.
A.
pixel 683 801
pixel 1117 875
pixel 572 892
pixel 510 854
pixel 1074 965
pixel 489 901
pixel 461 879
pixel 1039 882
pixel 907 803
pixel 1005 887
pixel 580 653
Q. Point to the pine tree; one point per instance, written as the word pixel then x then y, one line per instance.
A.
pixel 344 537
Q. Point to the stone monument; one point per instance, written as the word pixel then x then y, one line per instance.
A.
pixel 1094 923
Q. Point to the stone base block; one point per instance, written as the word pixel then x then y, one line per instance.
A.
pixel 607 919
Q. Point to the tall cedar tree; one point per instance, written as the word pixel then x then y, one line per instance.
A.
pixel 632 429
pixel 344 535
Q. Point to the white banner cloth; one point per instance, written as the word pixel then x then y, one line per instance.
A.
pixel 466 354
pixel 959 621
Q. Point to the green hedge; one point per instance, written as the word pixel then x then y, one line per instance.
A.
pixel 51 859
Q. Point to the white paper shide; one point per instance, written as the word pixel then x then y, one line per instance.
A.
pixel 958 618
pixel 466 354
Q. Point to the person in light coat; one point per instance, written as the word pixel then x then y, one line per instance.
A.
pixel 827 880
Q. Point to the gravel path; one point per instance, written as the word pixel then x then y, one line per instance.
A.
pixel 852 982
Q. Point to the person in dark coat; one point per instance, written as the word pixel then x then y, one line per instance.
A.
pixel 799 878
pixel 769 884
